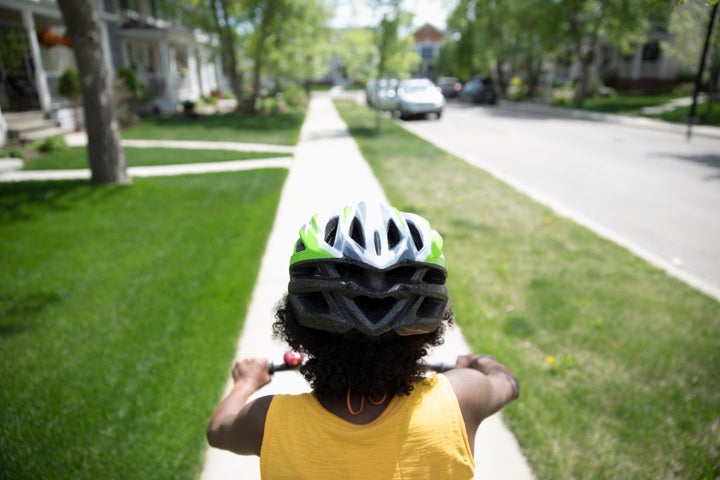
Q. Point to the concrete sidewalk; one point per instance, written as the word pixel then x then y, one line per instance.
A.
pixel 329 171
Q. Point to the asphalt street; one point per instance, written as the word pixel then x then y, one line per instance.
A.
pixel 642 184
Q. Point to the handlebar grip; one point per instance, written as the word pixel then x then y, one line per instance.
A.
pixel 440 367
pixel 279 367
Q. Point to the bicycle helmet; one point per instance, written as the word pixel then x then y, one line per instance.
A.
pixel 370 268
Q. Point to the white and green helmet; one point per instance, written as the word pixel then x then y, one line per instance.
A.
pixel 370 268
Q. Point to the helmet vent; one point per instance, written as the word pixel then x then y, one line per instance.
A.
pixel 374 309
pixel 299 246
pixel 353 273
pixel 378 244
pixel 431 308
pixel 434 276
pixel 314 304
pixel 393 235
pixel 401 275
pixel 331 231
pixel 356 232
pixel 417 238
pixel 305 271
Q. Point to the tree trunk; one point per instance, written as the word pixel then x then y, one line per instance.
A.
pixel 106 157
pixel 227 49
pixel 259 54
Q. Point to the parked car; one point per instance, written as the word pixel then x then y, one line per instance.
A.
pixel 419 97
pixel 479 90
pixel 381 94
pixel 449 86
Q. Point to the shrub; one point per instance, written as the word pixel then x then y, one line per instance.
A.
pixel 293 95
pixel 69 84
pixel 12 152
pixel 516 90
pixel 50 144
pixel 563 95
pixel 129 77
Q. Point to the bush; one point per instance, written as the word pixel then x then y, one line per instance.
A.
pixel 188 106
pixel 516 90
pixel 50 144
pixel 293 96
pixel 563 95
pixel 129 77
pixel 12 152
pixel 69 84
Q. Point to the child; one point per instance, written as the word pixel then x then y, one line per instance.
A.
pixel 366 301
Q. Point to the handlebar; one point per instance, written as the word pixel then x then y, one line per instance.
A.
pixel 294 360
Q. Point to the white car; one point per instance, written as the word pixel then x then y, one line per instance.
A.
pixel 381 94
pixel 419 97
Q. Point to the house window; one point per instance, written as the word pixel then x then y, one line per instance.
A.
pixel 651 51
pixel 427 52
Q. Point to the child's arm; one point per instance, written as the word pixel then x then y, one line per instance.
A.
pixel 238 425
pixel 482 386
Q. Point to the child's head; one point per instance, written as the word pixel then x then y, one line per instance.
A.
pixel 367 297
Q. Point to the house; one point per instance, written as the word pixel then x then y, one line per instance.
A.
pixel 427 42
pixel 175 63
pixel 647 69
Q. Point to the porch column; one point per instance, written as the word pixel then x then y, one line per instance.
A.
pixel 195 91
pixel 40 78
pixel 168 76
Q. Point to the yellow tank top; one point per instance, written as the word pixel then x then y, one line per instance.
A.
pixel 420 436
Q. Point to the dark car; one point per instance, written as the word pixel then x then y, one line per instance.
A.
pixel 449 86
pixel 479 90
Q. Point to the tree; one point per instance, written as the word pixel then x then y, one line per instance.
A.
pixel 300 43
pixel 588 24
pixel 396 56
pixel 225 29
pixel 282 40
pixel 689 27
pixel 357 51
pixel 106 157
pixel 462 22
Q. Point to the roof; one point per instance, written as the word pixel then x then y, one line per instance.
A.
pixel 428 33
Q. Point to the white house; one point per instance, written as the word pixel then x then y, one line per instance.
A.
pixel 175 63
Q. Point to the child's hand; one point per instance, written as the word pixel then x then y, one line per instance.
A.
pixel 252 371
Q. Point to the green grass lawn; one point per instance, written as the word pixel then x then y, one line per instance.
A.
pixel 625 103
pixel 76 157
pixel 681 114
pixel 119 313
pixel 619 363
pixel 633 104
pixel 275 128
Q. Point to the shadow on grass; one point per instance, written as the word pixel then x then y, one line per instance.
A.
pixel 230 121
pixel 24 201
pixel 365 132
pixel 17 314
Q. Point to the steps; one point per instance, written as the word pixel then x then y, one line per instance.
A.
pixel 30 126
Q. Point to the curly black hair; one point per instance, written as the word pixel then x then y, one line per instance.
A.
pixel 372 366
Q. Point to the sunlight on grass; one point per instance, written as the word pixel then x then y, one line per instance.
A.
pixel 277 128
pixel 76 157
pixel 119 313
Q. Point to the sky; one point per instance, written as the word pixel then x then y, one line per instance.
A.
pixel 357 13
